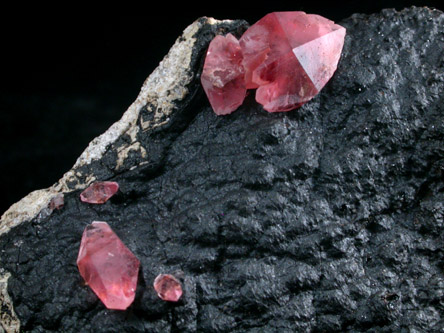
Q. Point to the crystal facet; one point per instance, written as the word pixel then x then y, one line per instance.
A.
pixel 289 57
pixel 168 288
pixel 108 266
pixel 223 75
pixel 99 192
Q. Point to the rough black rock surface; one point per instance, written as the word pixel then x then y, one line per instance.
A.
pixel 329 218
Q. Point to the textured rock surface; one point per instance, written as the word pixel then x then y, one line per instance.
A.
pixel 329 218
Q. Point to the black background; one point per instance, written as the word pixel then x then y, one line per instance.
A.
pixel 65 80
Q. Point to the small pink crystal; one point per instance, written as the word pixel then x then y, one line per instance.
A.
pixel 99 192
pixel 168 288
pixel 108 266
pixel 223 75
pixel 289 57
pixel 57 202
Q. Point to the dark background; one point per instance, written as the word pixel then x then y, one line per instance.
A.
pixel 65 80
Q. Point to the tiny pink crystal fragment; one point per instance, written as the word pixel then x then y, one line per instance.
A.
pixel 99 192
pixel 289 57
pixel 108 266
pixel 57 202
pixel 168 288
pixel 223 75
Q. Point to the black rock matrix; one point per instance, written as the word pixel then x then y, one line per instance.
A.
pixel 329 218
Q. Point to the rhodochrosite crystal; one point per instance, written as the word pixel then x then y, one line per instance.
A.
pixel 108 266
pixel 223 75
pixel 168 288
pixel 57 202
pixel 99 192
pixel 288 57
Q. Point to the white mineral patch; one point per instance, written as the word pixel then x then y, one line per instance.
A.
pixel 25 209
pixel 8 319
pixel 123 152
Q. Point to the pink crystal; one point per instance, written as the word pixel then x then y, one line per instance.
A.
pixel 223 75
pixel 108 266
pixel 168 288
pixel 289 57
pixel 57 202
pixel 99 192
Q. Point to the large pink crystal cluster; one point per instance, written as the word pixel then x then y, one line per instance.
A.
pixel 287 56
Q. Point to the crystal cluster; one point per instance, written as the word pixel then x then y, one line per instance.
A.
pixel 287 56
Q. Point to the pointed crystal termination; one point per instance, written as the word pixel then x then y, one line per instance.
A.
pixel 168 288
pixel 223 75
pixel 108 266
pixel 289 57
pixel 99 192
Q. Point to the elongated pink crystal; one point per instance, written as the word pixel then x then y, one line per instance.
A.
pixel 289 57
pixel 168 287
pixel 223 75
pixel 99 192
pixel 108 266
